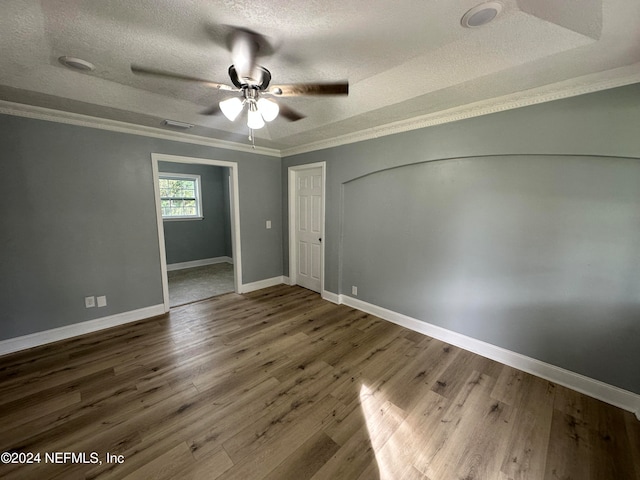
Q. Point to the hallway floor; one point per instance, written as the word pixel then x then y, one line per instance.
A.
pixel 194 284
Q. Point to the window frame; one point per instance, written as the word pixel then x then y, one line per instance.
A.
pixel 198 195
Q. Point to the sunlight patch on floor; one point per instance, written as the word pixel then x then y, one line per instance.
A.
pixel 392 438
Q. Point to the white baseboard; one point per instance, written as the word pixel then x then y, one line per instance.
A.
pixel 62 333
pixel 260 284
pixel 594 388
pixel 198 263
pixel 331 297
pixel 286 280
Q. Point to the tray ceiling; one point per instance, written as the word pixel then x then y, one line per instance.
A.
pixel 406 62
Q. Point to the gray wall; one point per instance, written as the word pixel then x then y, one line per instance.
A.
pixel 79 219
pixel 210 237
pixel 520 229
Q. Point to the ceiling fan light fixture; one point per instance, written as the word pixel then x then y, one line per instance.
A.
pixel 268 109
pixel 250 81
pixel 231 107
pixel 254 119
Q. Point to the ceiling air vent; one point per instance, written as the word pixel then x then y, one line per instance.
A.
pixel 177 124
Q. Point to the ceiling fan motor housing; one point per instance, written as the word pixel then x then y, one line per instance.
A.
pixel 263 74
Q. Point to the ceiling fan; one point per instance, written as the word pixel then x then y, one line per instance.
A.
pixel 252 82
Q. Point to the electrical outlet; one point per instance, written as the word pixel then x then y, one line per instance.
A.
pixel 102 301
pixel 354 291
pixel 89 302
pixel 268 224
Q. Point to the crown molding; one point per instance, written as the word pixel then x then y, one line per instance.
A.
pixel 557 91
pixel 41 113
pixel 592 83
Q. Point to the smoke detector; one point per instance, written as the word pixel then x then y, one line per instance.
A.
pixel 481 14
pixel 77 63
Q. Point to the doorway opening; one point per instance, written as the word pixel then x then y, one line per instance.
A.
pixel 198 227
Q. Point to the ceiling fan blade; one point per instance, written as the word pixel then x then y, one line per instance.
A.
pixel 212 110
pixel 298 89
pixel 290 114
pixel 138 70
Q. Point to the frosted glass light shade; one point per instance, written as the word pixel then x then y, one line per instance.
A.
pixel 231 107
pixel 254 119
pixel 268 108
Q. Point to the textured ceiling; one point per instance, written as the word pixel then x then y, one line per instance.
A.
pixel 402 59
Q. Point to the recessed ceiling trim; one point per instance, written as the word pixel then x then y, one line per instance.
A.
pixel 41 113
pixel 556 91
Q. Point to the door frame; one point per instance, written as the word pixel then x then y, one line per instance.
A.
pixel 234 203
pixel 292 216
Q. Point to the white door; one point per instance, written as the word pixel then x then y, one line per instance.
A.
pixel 308 228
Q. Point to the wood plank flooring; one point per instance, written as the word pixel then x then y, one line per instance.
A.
pixel 279 384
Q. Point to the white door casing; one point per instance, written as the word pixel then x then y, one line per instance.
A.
pixel 306 226
pixel 235 216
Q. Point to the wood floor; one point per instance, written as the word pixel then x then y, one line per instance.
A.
pixel 278 384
